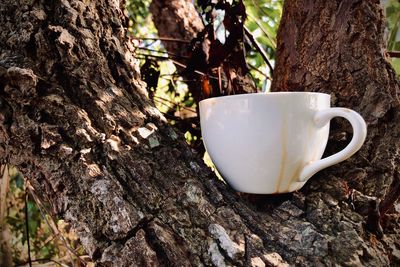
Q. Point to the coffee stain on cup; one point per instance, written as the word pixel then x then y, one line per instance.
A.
pixel 212 102
pixel 295 176
pixel 284 154
pixel 300 166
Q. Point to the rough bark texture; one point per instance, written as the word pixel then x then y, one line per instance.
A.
pixel 76 120
pixel 337 47
pixel 176 19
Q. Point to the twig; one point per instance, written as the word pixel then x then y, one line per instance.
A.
pixel 163 103
pixel 262 10
pixel 259 71
pixel 196 71
pixel 144 56
pixel 149 44
pixel 42 259
pixel 170 74
pixel 262 29
pixel 162 52
pixel 5 182
pixel 171 117
pixel 393 54
pixel 176 63
pixel 5 240
pixel 219 79
pixel 27 227
pixel 175 80
pixel 47 241
pixel 174 104
pixel 53 228
pixel 258 48
pixel 166 39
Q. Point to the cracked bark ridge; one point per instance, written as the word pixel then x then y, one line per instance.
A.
pixel 76 120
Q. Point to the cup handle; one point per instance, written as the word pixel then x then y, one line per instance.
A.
pixel 321 118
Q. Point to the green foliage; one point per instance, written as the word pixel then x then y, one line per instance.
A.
pixel 396 65
pixel 138 12
pixel 263 19
pixel 393 24
pixel 393 30
pixel 44 242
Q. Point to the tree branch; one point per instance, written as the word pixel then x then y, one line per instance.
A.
pixel 394 54
pixel 259 49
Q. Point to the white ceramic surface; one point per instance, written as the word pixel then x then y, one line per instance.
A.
pixel 268 143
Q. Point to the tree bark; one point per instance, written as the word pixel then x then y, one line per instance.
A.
pixel 338 48
pixel 176 19
pixel 76 120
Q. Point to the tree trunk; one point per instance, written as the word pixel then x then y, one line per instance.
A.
pixel 337 47
pixel 76 120
pixel 176 19
pixel 340 50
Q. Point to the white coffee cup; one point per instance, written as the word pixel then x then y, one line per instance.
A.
pixel 269 143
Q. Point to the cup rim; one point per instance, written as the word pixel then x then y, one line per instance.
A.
pixel 264 93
